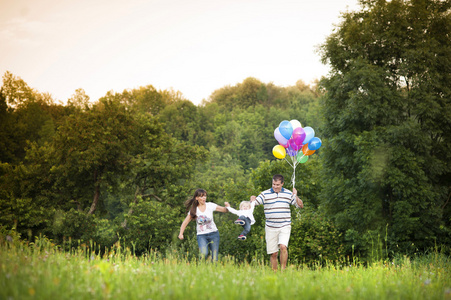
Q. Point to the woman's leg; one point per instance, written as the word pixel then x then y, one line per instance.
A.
pixel 202 241
pixel 214 244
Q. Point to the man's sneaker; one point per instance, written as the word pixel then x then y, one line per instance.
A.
pixel 242 237
pixel 240 222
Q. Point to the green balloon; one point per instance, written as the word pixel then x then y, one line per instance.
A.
pixel 302 158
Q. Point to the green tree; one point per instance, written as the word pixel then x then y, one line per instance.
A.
pixel 79 100
pixel 26 116
pixel 186 122
pixel 8 145
pixel 387 119
pixel 251 92
pixel 89 149
pixel 16 91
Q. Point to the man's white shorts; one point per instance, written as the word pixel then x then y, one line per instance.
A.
pixel 276 237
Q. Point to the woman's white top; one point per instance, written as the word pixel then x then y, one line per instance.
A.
pixel 204 221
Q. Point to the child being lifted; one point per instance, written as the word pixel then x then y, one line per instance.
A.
pixel 245 216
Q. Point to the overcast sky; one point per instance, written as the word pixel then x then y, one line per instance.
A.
pixel 193 46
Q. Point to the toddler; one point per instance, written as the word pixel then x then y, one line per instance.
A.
pixel 245 216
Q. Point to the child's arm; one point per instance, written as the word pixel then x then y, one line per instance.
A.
pixel 233 211
pixel 252 206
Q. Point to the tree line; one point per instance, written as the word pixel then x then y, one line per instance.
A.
pixel 120 168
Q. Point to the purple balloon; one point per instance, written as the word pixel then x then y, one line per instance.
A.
pixel 293 145
pixel 291 152
pixel 298 135
pixel 279 137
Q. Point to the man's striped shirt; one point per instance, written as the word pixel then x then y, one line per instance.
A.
pixel 277 207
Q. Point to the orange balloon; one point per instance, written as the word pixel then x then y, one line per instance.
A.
pixel 306 150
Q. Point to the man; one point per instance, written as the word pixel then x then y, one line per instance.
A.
pixel 276 203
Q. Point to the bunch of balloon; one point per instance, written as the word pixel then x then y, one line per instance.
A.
pixel 296 143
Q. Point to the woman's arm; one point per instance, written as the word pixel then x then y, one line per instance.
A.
pixel 184 224
pixel 221 208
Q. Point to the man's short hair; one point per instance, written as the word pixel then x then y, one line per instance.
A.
pixel 277 177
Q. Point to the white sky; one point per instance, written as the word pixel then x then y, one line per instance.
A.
pixel 193 46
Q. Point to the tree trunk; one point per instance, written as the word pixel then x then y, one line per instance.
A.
pixel 96 195
pixel 130 211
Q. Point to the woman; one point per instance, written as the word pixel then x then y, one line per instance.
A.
pixel 207 232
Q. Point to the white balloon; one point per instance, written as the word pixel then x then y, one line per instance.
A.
pixel 309 134
pixel 295 124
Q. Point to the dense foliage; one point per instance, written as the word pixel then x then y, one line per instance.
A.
pixel 120 168
pixel 388 124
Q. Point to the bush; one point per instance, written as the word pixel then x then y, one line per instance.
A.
pixel 150 226
pixel 73 224
pixel 314 238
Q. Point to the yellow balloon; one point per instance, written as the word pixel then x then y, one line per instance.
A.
pixel 279 152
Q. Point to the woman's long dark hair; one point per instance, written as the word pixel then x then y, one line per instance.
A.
pixel 191 204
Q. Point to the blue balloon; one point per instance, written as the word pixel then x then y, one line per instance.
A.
pixel 314 143
pixel 309 134
pixel 286 129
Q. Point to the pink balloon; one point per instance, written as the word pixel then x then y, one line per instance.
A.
pixel 298 135
pixel 292 145
pixel 285 146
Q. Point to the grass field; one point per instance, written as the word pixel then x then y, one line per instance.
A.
pixel 42 271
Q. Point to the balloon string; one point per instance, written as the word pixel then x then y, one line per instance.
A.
pixel 295 163
pixel 288 162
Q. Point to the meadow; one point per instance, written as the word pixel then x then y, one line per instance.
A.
pixel 41 270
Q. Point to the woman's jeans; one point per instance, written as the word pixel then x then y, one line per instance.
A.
pixel 209 240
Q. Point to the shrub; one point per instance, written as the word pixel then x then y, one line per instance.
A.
pixel 313 238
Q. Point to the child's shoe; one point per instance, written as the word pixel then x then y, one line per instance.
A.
pixel 240 222
pixel 242 237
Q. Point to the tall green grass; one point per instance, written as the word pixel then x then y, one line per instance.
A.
pixel 40 270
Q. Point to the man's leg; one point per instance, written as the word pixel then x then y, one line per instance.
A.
pixel 283 256
pixel 274 263
pixel 272 246
pixel 284 237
